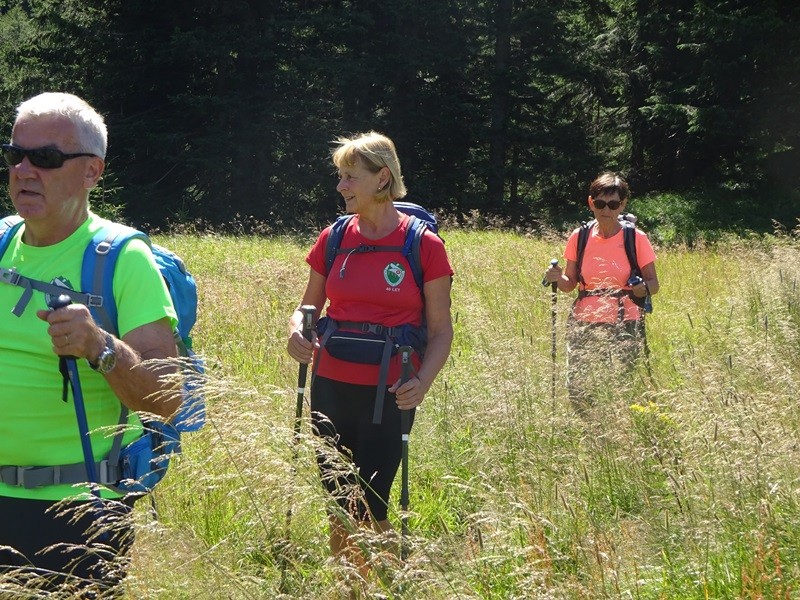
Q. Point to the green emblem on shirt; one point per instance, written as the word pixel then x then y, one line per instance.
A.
pixel 394 274
pixel 59 282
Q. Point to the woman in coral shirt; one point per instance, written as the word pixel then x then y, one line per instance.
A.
pixel 606 327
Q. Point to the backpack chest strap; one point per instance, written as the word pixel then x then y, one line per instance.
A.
pixel 363 248
pixel 12 277
pixel 604 292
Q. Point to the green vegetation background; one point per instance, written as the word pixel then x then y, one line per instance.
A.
pixel 683 484
pixel 221 114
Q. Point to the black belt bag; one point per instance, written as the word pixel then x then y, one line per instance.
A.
pixel 369 344
pixel 356 347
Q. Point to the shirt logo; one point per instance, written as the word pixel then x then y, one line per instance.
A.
pixel 394 273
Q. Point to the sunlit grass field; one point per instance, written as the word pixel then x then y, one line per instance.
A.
pixel 683 483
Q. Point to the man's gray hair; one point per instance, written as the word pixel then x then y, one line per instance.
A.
pixel 90 126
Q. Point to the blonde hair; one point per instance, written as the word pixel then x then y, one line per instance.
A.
pixel 374 151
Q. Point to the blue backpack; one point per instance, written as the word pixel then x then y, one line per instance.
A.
pixel 139 466
pixel 421 219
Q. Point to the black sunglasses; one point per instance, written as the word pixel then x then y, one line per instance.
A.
pixel 44 158
pixel 601 204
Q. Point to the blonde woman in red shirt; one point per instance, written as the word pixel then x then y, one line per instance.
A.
pixel 376 289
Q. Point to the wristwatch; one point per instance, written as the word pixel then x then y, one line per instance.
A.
pixel 107 359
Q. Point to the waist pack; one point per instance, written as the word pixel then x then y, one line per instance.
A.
pixel 132 469
pixel 143 462
pixel 369 344
pixel 362 348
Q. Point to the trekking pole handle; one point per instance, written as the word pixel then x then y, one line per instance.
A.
pixel 648 303
pixel 405 375
pixel 405 358
pixel 308 311
pixel 553 263
pixel 635 280
pixel 60 302
pixel 306 327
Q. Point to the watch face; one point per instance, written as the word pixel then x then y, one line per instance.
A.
pixel 107 359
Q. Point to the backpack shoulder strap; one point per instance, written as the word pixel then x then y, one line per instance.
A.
pixel 97 271
pixel 8 228
pixel 583 238
pixel 629 232
pixel 411 248
pixel 335 240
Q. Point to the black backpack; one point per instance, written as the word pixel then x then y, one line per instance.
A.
pixel 628 222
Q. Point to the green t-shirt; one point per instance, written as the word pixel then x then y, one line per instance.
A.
pixel 36 427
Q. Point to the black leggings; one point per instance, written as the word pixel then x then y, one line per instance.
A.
pixel 341 413
pixel 96 566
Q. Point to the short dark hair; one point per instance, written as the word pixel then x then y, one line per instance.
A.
pixel 607 183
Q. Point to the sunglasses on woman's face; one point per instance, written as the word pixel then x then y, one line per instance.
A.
pixel 44 158
pixel 601 204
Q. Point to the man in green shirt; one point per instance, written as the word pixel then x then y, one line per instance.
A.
pixel 56 156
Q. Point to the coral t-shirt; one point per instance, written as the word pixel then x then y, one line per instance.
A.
pixel 374 287
pixel 606 267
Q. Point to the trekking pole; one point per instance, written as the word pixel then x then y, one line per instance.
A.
pixel 405 430
pixel 307 326
pixel 553 315
pixel 68 366
pixel 307 311
pixel 648 308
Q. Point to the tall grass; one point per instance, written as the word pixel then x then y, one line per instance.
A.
pixel 683 483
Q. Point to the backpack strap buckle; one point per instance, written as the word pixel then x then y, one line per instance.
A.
pixel 107 473
pixel 10 276
pixel 29 477
pixel 373 328
pixel 103 247
pixel 94 301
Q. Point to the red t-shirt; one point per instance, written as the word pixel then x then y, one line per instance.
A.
pixel 605 266
pixel 374 287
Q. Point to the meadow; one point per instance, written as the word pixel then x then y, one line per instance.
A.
pixel 683 483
